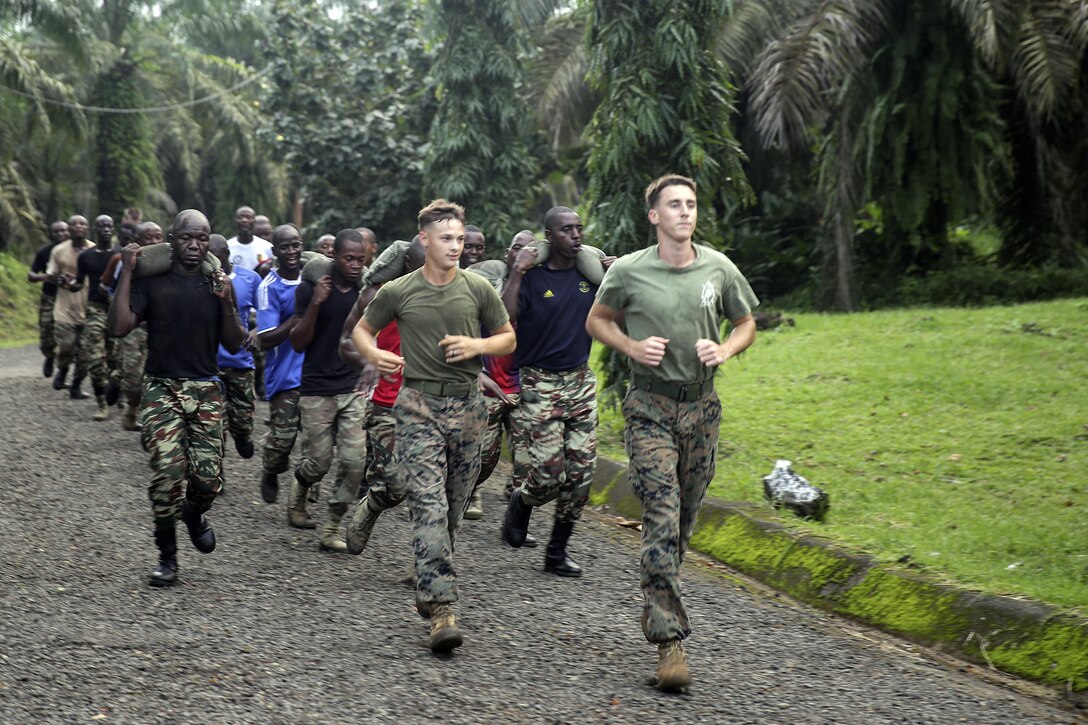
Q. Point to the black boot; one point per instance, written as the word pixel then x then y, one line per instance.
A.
pixel 515 525
pixel 58 381
pixel 166 573
pixel 556 560
pixel 113 393
pixel 75 390
pixel 244 446
pixel 200 531
pixel 47 368
pixel 270 487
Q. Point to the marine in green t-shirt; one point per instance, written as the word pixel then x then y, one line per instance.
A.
pixel 440 415
pixel 673 298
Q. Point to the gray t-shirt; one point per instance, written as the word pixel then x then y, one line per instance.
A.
pixel 681 305
pixel 426 313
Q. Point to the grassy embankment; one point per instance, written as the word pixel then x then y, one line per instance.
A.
pixel 953 439
pixel 18 303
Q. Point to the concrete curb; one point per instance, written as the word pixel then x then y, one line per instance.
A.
pixel 1031 640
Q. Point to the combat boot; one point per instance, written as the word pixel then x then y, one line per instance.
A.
pixel 331 539
pixel 475 509
pixel 113 393
pixel 270 487
pixel 556 560
pixel 244 446
pixel 47 368
pixel 75 390
pixel 297 514
pixel 103 412
pixel 166 573
pixel 672 666
pixel 361 526
pixel 445 635
pixel 59 380
pixel 315 493
pixel 200 531
pixel 128 417
pixel 515 526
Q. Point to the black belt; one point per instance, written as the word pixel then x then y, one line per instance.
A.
pixel 680 392
pixel 448 390
pixel 541 371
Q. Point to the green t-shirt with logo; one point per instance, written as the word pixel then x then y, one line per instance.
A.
pixel 426 313
pixel 681 305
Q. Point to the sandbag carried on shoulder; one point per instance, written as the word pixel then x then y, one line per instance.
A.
pixel 493 270
pixel 159 258
pixel 588 261
pixel 316 265
pixel 389 265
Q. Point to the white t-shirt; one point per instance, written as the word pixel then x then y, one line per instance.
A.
pixel 249 255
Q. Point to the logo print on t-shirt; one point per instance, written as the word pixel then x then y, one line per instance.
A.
pixel 583 287
pixel 708 296
pixel 548 294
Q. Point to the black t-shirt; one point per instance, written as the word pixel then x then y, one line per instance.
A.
pixel 552 308
pixel 40 265
pixel 183 323
pixel 323 372
pixel 89 268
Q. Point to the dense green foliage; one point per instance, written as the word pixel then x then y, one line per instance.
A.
pixel 478 155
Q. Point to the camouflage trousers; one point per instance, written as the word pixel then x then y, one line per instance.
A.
pixel 283 422
pixel 238 391
pixel 383 492
pixel 499 418
pixel 131 356
pixel 327 421
pixel 671 447
pixel 558 420
pixel 92 346
pixel 47 342
pixel 68 338
pixel 182 429
pixel 438 461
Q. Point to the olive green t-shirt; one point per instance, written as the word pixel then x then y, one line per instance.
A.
pixel 426 313
pixel 681 305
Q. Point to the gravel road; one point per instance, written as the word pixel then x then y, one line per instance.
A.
pixel 269 630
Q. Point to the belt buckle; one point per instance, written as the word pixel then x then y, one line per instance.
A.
pixel 682 393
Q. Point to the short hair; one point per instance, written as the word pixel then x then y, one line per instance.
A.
pixel 551 214
pixel 218 241
pixel 346 236
pixel 653 191
pixel 185 214
pixel 132 215
pixel 473 229
pixel 440 210
pixel 280 228
pixel 366 232
pixel 145 226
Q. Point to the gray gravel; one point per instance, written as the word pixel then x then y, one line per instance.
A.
pixel 269 630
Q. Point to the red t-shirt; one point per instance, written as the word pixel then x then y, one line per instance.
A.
pixel 504 371
pixel 385 394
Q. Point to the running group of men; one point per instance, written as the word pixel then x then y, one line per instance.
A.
pixel 412 380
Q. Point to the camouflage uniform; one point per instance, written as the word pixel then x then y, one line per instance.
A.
pixel 68 347
pixel 183 431
pixel 671 446
pixel 238 391
pixel 93 345
pixel 500 417
pixel 558 415
pixel 283 423
pixel 327 419
pixel 132 354
pixel 47 343
pixel 438 459
pixel 384 491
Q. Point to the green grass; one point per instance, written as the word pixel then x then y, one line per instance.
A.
pixel 18 303
pixel 956 437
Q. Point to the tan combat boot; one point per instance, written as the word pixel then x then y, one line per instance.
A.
pixel 672 666
pixel 128 416
pixel 475 508
pixel 361 526
pixel 331 538
pixel 445 635
pixel 297 515
pixel 103 412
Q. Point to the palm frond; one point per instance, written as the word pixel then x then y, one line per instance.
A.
pixel 791 80
pixel 562 99
pixel 992 26
pixel 1046 64
pixel 751 26
pixel 19 71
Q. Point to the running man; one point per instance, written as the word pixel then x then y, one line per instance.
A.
pixel 475 244
pixel 331 412
pixel 283 376
pixel 439 310
pixel 47 343
pixel 188 316
pixel 673 297
pixel 557 416
pixel 70 310
pixel 91 265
